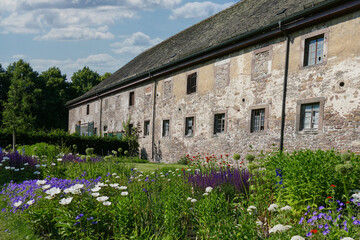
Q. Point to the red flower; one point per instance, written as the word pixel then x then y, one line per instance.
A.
pixel 314 231
pixel 329 197
pixel 220 163
pixel 347 202
pixel 226 155
pixel 332 185
pixel 228 165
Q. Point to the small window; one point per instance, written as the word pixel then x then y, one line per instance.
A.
pixel 146 128
pixel 219 123
pixel 105 128
pixel 258 120
pixel 191 83
pixel 309 116
pixel 189 126
pixel 166 128
pixel 131 98
pixel 87 109
pixel 314 50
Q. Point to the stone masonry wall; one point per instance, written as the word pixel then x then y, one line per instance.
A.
pixel 243 81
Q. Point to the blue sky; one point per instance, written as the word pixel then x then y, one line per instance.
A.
pixel 101 34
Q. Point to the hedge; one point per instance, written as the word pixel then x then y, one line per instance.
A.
pixel 102 146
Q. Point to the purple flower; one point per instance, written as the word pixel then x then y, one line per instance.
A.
pixel 321 207
pixel 309 234
pixel 79 216
pixel 301 220
pixel 326 231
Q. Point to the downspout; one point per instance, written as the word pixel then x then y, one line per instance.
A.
pixel 153 121
pixel 286 70
pixel 100 122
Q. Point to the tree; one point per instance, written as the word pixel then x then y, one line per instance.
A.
pixel 83 80
pixel 4 88
pixel 105 76
pixel 52 112
pixel 17 114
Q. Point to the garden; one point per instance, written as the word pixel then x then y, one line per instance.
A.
pixel 53 192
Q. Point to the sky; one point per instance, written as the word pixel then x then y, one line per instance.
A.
pixel 101 34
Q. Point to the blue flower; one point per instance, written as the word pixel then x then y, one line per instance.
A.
pixel 79 216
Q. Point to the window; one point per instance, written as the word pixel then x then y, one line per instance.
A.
pixel 131 127
pixel 191 83
pixel 189 126
pixel 105 128
pixel 314 50
pixel 131 98
pixel 166 128
pixel 146 128
pixel 219 123
pixel 87 109
pixel 314 46
pixel 257 120
pixel 309 116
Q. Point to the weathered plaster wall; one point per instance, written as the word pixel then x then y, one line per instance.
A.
pixel 237 83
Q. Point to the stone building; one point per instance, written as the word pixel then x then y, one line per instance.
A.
pixel 259 75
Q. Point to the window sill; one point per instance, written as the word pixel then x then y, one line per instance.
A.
pixel 308 131
pixel 313 66
pixel 189 136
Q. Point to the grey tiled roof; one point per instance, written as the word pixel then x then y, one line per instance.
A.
pixel 242 17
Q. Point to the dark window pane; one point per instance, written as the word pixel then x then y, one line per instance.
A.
pixel 309 117
pixel 191 83
pixel 219 123
pixel 257 120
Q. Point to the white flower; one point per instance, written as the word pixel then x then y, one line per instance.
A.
pixel 53 191
pixel 259 223
pixel 117 177
pixel 189 170
pixel 193 200
pixel 286 208
pixel 16 169
pixel 189 198
pixel 205 194
pixel 134 169
pixel 250 209
pixel 100 184
pixel 17 204
pixel 2 160
pixel 107 203
pixel 47 186
pixel 208 189
pixel 30 202
pixel 7 167
pixel 36 172
pixel 37 165
pixel 122 187
pixel 53 164
pixel 40 182
pixel 44 165
pixel 74 189
pixel 22 169
pixel 124 193
pixel 356 197
pixel 139 180
pixel 297 237
pixel 347 238
pixel 153 173
pixel 273 207
pixel 177 169
pixel 95 189
pixel 12 168
pixel 102 199
pixel 59 159
pixel 140 175
pixel 96 194
pixel 114 185
pixel 66 201
pixel 6 158
pixel 179 175
pixel 25 164
pixel 107 181
pixel 49 197
pixel 114 174
pixel 279 228
pixel 169 180
pixel 0 164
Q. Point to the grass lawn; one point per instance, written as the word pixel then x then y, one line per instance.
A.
pixel 150 167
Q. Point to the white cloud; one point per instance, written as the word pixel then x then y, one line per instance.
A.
pixel 77 33
pixel 136 43
pixel 100 63
pixel 18 56
pixel 198 10
pixel 50 18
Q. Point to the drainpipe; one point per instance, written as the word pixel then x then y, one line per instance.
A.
pixel 153 121
pixel 286 70
pixel 100 122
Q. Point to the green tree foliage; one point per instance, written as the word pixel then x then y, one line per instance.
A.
pixel 131 135
pixel 52 112
pixel 106 75
pixel 21 102
pixel 83 80
pixel 4 88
